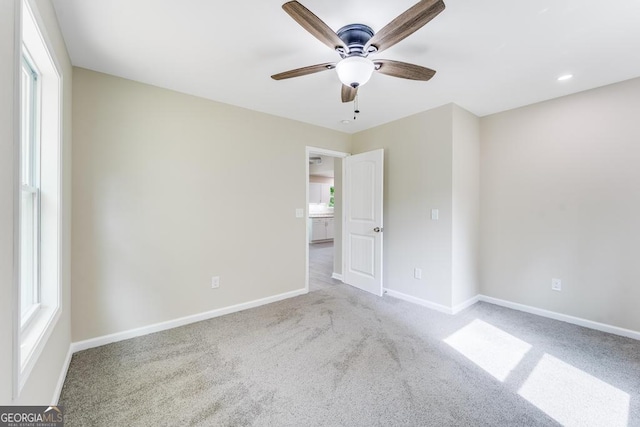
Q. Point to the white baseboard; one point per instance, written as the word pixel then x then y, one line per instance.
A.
pixel 562 317
pixel 170 324
pixel 337 276
pixel 466 304
pixel 432 305
pixel 423 302
pixel 520 307
pixel 61 378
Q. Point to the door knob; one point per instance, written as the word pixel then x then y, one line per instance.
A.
pixel 377 229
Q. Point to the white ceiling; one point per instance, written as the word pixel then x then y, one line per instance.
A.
pixel 490 55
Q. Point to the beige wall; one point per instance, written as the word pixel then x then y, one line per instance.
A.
pixel 7 205
pixel 418 178
pixel 166 196
pixel 337 215
pixel 560 187
pixel 42 382
pixel 465 221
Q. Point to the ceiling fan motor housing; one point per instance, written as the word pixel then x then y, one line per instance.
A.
pixel 355 37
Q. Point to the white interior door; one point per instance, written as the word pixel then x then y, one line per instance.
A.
pixel 363 225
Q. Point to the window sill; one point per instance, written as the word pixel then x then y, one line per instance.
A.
pixel 34 338
pixel 29 317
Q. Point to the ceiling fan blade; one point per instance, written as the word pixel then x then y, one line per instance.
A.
pixel 406 24
pixel 313 24
pixel 348 93
pixel 403 70
pixel 304 71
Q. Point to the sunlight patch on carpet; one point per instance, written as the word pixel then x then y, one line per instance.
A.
pixel 491 348
pixel 573 397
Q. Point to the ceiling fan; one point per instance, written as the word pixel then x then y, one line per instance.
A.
pixel 355 42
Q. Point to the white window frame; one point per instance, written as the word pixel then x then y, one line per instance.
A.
pixel 30 187
pixel 30 337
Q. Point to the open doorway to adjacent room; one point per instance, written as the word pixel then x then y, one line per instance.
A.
pixel 324 218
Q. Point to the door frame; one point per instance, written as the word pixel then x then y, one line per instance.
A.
pixel 325 152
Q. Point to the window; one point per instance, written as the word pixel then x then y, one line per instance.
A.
pixel 30 193
pixel 37 193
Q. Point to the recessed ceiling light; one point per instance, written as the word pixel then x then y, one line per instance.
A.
pixel 345 122
pixel 565 77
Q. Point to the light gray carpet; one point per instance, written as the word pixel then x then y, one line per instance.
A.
pixel 341 357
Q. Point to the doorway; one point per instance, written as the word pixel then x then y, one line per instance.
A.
pixel 355 221
pixel 324 217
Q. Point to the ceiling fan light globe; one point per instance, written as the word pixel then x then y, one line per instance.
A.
pixel 355 71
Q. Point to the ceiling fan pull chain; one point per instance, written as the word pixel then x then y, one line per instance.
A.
pixel 356 110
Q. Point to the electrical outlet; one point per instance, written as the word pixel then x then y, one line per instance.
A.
pixel 417 273
pixel 556 284
pixel 215 282
pixel 435 214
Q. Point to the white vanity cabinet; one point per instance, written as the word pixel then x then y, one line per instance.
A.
pixel 322 229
